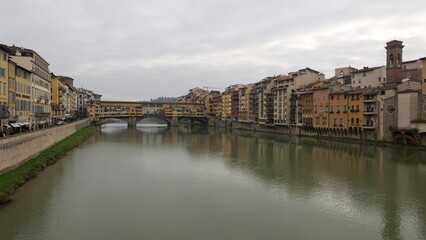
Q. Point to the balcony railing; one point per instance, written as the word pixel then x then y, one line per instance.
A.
pixel 4 114
pixel 369 100
pixel 41 114
pixel 369 110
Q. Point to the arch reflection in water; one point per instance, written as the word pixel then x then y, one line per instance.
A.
pixel 151 123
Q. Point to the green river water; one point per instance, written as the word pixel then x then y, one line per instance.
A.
pixel 201 183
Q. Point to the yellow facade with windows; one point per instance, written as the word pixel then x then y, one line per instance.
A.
pixel 227 105
pixel 4 89
pixel 58 99
pixel 23 94
pixel 12 90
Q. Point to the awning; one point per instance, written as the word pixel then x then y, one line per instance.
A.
pixel 42 122
pixel 15 125
pixel 23 123
pixel 6 125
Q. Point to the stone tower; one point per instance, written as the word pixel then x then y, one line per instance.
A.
pixel 394 62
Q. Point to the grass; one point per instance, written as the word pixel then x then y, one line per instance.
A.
pixel 12 180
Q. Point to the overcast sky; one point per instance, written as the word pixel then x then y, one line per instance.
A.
pixel 137 49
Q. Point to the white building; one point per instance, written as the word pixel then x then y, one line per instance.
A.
pixel 369 77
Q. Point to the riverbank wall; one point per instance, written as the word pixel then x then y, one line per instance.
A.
pixel 15 150
pixel 304 132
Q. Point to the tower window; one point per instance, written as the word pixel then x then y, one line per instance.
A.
pixel 391 59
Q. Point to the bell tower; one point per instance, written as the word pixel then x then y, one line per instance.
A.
pixel 394 62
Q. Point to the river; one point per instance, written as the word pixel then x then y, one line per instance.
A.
pixel 203 183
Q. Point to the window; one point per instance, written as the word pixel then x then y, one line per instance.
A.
pixel 335 121
pixel 390 109
pixel 338 108
pixel 364 74
pixel 342 123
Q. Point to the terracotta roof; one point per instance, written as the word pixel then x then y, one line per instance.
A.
pixel 409 91
pixel 22 49
pixel 6 48
pixel 339 92
pixel 411 61
pixel 359 91
pixel 366 69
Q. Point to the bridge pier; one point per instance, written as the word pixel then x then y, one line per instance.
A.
pixel 131 122
pixel 174 122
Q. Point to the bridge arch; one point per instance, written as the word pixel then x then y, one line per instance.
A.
pixel 153 118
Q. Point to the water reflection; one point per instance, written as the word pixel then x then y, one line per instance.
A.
pixel 351 179
pixel 376 191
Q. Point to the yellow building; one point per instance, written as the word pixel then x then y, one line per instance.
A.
pixel 12 91
pixel 227 105
pixel 355 114
pixel 423 75
pixel 40 84
pixel 210 103
pixel 58 96
pixel 23 94
pixel 4 89
pixel 245 108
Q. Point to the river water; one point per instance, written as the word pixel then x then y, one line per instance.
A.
pixel 199 183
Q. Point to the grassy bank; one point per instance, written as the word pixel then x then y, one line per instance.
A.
pixel 12 180
pixel 103 122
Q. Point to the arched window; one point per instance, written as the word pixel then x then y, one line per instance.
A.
pixel 390 109
pixel 391 59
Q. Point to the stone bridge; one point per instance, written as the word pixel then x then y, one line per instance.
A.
pixel 132 112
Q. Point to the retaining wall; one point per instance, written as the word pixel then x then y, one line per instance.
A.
pixel 14 150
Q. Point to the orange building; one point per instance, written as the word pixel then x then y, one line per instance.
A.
pixel 321 104
pixel 338 111
pixel 307 106
pixel 355 107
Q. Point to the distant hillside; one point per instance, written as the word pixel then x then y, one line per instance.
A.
pixel 164 99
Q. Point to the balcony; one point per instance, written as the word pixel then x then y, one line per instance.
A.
pixel 4 114
pixel 368 126
pixel 41 114
pixel 58 108
pixel 369 100
pixel 370 111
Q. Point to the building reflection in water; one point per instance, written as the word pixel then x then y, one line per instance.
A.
pixel 340 176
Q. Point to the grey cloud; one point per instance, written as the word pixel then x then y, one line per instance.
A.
pixel 164 48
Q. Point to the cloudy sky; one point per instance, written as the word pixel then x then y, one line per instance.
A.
pixel 137 49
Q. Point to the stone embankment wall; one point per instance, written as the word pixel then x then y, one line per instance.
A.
pixel 14 150
pixel 295 130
